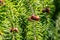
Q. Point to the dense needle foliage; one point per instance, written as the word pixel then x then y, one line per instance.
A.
pixel 16 24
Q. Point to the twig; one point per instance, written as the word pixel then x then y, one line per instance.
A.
pixel 30 6
pixel 34 27
pixel 34 30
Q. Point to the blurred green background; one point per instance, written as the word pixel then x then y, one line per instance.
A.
pixel 15 13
